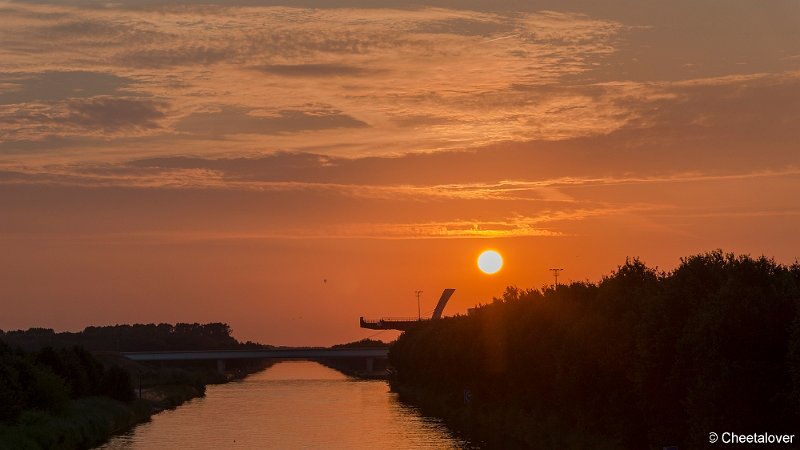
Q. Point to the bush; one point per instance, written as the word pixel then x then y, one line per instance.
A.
pixel 117 384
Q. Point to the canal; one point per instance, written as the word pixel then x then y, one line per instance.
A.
pixel 291 405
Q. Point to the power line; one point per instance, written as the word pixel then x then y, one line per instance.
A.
pixel 555 274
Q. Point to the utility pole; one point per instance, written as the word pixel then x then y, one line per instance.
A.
pixel 419 311
pixel 555 274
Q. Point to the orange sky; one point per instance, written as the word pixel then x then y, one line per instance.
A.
pixel 216 161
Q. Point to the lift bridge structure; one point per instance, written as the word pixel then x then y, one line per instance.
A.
pixel 405 324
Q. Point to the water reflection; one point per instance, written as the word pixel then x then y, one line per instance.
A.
pixel 291 405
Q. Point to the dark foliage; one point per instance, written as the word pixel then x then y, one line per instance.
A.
pixel 117 384
pixel 76 366
pixel 642 359
pixel 48 369
pixel 363 343
pixel 48 379
pixel 130 338
pixel 24 384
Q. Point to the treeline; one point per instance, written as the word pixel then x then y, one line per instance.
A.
pixel 54 393
pixel 47 379
pixel 130 338
pixel 642 359
pixel 358 367
pixel 62 398
pixel 363 343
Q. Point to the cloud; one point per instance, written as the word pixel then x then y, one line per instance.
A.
pixel 456 229
pixel 94 116
pixel 314 70
pixel 54 86
pixel 430 102
pixel 110 113
pixel 297 196
pixel 310 173
pixel 234 121
pixel 180 55
pixel 423 79
pixel 470 25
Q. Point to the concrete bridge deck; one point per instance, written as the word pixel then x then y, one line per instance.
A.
pixel 283 353
pixel 220 356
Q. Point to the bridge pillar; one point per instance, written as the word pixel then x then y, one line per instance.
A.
pixel 221 366
pixel 370 365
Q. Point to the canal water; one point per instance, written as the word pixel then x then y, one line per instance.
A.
pixel 291 405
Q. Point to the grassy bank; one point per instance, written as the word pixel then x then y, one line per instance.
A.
pixel 87 422
pixel 84 423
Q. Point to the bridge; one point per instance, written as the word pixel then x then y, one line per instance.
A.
pixel 388 323
pixel 220 356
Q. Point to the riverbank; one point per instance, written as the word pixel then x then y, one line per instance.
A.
pixel 83 424
pixel 89 422
pixel 498 427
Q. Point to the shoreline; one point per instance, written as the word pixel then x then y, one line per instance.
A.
pixel 90 422
pixel 495 427
pixel 160 398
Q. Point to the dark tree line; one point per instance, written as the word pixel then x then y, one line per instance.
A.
pixel 139 337
pixel 642 359
pixel 45 369
pixel 47 379
pixel 363 343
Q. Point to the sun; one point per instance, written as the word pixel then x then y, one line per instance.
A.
pixel 490 262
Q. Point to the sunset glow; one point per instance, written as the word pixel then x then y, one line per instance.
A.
pixel 187 161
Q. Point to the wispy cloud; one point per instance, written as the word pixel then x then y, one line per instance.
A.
pixel 244 80
pixel 516 226
pixel 350 104
pixel 100 117
pixel 303 171
pixel 380 67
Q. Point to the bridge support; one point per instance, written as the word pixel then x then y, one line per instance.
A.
pixel 221 366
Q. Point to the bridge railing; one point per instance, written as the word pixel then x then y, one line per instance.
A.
pixel 390 319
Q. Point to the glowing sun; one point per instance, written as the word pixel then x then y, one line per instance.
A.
pixel 490 262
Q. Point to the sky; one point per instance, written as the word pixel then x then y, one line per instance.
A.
pixel 288 166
